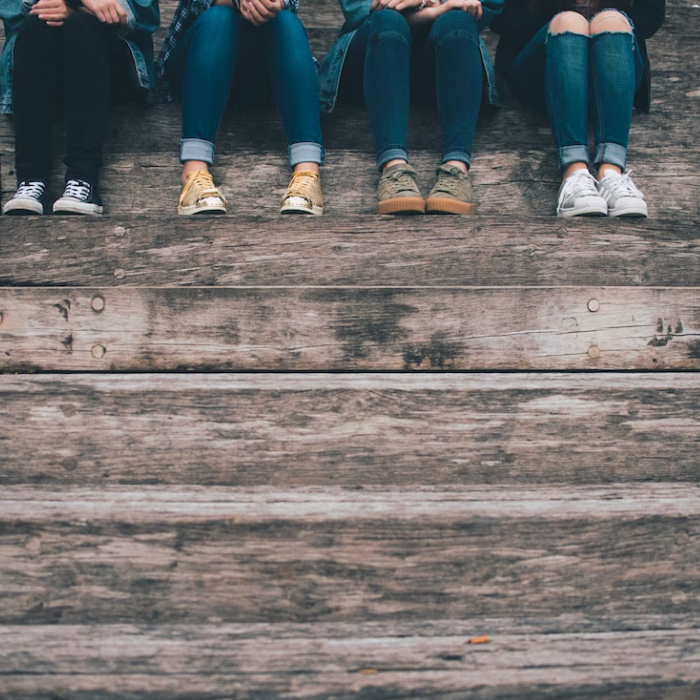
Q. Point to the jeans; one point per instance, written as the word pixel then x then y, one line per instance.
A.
pixel 203 65
pixel 89 61
pixel 558 71
pixel 387 62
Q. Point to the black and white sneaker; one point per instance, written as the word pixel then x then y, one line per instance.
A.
pixel 79 197
pixel 29 199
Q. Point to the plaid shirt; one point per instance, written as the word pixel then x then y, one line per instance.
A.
pixel 185 15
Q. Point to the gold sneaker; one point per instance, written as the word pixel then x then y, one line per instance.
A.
pixel 200 196
pixel 303 194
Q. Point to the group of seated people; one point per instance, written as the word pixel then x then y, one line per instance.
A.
pixel 575 60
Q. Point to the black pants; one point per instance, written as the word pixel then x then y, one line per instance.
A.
pixel 84 62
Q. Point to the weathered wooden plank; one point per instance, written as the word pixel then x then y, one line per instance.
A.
pixel 512 183
pixel 105 559
pixel 400 684
pixel 335 328
pixel 354 251
pixel 189 505
pixel 323 661
pixel 356 431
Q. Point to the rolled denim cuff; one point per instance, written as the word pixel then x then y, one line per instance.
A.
pixel 611 153
pixel 391 154
pixel 573 154
pixel 197 149
pixel 306 152
pixel 458 155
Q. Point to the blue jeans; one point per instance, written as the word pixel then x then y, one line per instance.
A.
pixel 559 70
pixel 386 62
pixel 203 65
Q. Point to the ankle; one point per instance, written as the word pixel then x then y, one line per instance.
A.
pixel 307 167
pixel 392 163
pixel 457 164
pixel 569 170
pixel 193 166
pixel 608 168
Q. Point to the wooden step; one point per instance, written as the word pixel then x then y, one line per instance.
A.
pixel 357 430
pixel 468 328
pixel 176 555
pixel 349 252
pixel 645 658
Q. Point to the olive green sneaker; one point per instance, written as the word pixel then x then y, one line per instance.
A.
pixel 452 193
pixel 200 196
pixel 304 195
pixel 398 191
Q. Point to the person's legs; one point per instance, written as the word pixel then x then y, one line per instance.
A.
pixel 449 60
pixel 290 66
pixel 615 76
pixel 379 54
pixel 203 65
pixel 87 49
pixel 377 66
pixel 34 89
pixel 552 70
pixel 566 88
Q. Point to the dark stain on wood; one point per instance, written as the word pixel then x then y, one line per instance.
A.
pixel 439 353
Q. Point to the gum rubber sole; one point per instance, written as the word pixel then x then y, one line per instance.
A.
pixel 401 205
pixel 442 205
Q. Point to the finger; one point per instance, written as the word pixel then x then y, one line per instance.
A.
pixel 262 11
pixel 479 13
pixel 54 24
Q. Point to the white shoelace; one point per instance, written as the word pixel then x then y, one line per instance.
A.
pixel 583 182
pixel 79 189
pixel 32 190
pixel 622 186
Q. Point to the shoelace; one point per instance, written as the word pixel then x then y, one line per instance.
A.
pixel 302 185
pixel 447 182
pixel 79 189
pixel 34 189
pixel 203 184
pixel 401 180
pixel 585 183
pixel 623 185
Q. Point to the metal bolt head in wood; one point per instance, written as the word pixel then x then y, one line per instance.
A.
pixel 98 352
pixel 97 303
pixel 594 352
pixel 119 273
pixel 593 305
pixel 119 231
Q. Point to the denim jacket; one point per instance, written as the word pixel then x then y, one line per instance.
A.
pixel 142 19
pixel 356 12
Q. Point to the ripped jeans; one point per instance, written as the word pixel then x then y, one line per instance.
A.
pixel 388 63
pixel 557 72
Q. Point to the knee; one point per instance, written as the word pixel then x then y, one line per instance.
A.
pixel 610 21
pixel 218 20
pixel 32 27
pixel 287 21
pixel 388 22
pixel 571 22
pixel 454 22
pixel 80 23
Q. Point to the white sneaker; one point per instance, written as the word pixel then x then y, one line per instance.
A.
pixel 623 198
pixel 579 196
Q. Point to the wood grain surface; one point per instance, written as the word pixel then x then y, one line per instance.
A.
pixel 390 659
pixel 114 555
pixel 289 430
pixel 293 328
pixel 357 251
